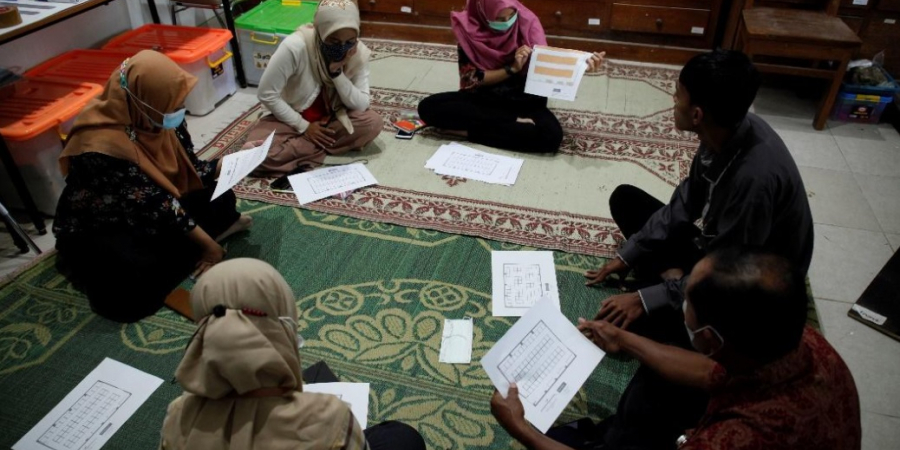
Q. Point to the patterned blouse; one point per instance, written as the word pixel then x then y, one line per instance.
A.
pixel 806 400
pixel 105 194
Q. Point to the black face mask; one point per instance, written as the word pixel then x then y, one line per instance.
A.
pixel 336 52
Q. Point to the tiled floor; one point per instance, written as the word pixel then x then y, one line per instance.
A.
pixel 852 175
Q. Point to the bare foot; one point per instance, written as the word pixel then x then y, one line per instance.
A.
pixel 525 120
pixel 251 144
pixel 243 223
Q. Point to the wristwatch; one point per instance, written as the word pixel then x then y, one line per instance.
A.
pixel 336 74
pixel 509 70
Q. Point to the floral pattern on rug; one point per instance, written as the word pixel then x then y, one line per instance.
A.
pixel 650 142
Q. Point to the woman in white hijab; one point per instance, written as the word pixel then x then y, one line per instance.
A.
pixel 242 379
pixel 316 86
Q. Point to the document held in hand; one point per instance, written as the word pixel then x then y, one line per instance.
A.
pixel 556 72
pixel 238 165
pixel 547 358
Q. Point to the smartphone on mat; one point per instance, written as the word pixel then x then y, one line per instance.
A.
pixel 404 134
pixel 281 184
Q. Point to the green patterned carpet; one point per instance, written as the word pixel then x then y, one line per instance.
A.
pixel 372 297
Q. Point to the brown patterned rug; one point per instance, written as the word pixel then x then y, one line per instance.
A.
pixel 619 130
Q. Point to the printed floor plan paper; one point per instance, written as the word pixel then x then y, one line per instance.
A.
pixel 520 279
pixel 547 358
pixel 92 412
pixel 354 394
pixel 325 182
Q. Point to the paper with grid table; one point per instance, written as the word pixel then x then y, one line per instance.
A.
pixel 92 412
pixel 457 160
pixel 547 358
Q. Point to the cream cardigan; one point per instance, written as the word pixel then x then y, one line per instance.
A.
pixel 288 85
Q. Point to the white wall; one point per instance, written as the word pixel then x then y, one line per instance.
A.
pixel 91 29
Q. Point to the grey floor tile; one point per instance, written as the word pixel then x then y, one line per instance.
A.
pixel 873 358
pixel 836 199
pixel 883 195
pixel 880 432
pixel 845 261
pixel 894 240
pixel 871 157
pixel 810 148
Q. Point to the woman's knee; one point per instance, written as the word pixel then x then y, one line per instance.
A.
pixel 549 138
pixel 368 123
pixel 433 107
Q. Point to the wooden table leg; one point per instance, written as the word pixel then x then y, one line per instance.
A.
pixel 828 101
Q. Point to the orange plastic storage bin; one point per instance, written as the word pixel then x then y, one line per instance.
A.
pixel 38 105
pixel 203 52
pixel 89 66
pixel 31 112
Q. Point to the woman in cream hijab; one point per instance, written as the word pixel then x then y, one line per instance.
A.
pixel 317 88
pixel 242 379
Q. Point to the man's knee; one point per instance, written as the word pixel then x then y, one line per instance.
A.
pixel 621 197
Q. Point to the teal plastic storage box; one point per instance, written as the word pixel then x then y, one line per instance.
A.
pixel 861 108
pixel 261 30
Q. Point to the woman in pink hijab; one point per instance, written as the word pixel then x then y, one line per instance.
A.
pixel 491 108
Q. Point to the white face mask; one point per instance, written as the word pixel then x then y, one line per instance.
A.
pixel 289 321
pixel 693 333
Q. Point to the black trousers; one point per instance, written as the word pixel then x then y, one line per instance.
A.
pixel 394 435
pixel 127 275
pixel 652 412
pixel 631 208
pixel 491 120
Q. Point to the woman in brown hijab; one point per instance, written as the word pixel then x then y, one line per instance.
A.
pixel 242 379
pixel 135 217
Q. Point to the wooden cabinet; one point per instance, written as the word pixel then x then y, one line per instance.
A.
pixel 877 22
pixel 572 18
pixel 439 8
pixel 652 30
pixel 386 6
pixel 659 20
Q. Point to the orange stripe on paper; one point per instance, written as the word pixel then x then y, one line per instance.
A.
pixel 550 72
pixel 555 59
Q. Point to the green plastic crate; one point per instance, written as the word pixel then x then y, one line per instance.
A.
pixel 262 29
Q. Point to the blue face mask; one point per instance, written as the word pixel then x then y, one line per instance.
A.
pixel 336 52
pixel 170 121
pixel 504 26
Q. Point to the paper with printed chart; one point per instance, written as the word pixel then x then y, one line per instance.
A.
pixel 328 181
pixel 465 162
pixel 556 72
pixel 520 279
pixel 547 358
pixel 92 412
pixel 355 395
pixel 236 166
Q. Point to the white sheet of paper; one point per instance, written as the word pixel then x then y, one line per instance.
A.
pixel 547 358
pixel 520 279
pixel 325 182
pixel 92 412
pixel 354 394
pixel 555 72
pixel 238 165
pixel 460 161
pixel 456 341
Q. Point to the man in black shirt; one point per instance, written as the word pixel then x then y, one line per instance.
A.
pixel 743 189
